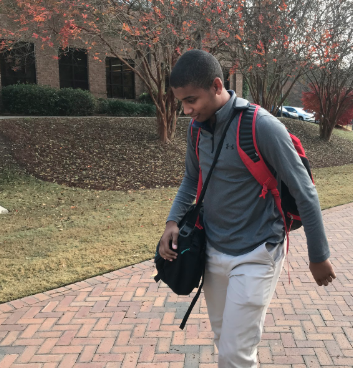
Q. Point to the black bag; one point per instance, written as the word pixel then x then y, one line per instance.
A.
pixel 184 273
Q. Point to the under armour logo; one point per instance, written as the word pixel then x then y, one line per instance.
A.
pixel 229 146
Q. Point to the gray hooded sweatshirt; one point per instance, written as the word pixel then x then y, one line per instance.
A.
pixel 236 219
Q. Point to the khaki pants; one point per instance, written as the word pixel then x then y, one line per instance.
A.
pixel 238 291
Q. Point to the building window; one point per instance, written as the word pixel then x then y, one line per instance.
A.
pixel 120 79
pixel 18 65
pixel 73 69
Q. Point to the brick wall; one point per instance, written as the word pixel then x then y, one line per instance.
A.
pixel 47 67
pixel 96 76
pixel 47 70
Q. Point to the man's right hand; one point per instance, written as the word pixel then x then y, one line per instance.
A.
pixel 171 233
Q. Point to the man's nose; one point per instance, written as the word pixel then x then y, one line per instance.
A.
pixel 187 110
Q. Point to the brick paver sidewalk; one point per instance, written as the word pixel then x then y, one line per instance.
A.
pixel 124 319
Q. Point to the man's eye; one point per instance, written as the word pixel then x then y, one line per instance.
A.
pixel 191 101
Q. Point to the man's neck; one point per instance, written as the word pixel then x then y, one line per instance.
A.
pixel 224 98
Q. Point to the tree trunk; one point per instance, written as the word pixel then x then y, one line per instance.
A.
pixel 162 127
pixel 166 120
pixel 173 121
pixel 326 128
pixel 171 108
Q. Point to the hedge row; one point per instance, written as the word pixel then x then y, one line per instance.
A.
pixel 31 99
pixel 124 108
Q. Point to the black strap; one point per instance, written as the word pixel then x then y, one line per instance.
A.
pixel 196 213
pixel 194 300
pixel 204 187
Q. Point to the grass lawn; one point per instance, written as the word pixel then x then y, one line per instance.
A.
pixel 57 234
pixel 344 133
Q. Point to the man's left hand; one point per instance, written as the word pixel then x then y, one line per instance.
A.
pixel 322 272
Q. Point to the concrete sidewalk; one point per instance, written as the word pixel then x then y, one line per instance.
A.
pixel 124 319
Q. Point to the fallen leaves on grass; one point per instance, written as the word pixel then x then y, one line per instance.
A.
pixel 97 153
pixel 124 153
pixel 337 152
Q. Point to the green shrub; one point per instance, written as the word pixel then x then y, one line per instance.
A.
pixel 127 108
pixel 29 99
pixel 145 98
pixel 75 102
pixel 147 110
pixel 102 106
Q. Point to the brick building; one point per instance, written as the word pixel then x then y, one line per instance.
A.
pixel 77 68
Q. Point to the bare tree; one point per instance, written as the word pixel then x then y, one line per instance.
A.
pixel 331 74
pixel 271 42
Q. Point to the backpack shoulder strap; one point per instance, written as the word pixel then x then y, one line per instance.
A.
pixel 194 131
pixel 249 152
pixel 253 160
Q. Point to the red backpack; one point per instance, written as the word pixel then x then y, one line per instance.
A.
pixel 253 160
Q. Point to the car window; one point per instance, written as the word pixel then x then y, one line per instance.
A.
pixel 301 111
pixel 290 109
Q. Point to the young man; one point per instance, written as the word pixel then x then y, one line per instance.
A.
pixel 245 233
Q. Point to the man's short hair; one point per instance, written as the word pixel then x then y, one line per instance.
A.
pixel 196 67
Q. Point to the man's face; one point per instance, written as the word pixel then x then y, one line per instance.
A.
pixel 199 103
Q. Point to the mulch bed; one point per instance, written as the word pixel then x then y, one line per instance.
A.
pixel 123 153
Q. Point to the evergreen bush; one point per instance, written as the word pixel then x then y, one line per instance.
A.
pixel 128 108
pixel 29 99
pixel 145 98
pixel 75 102
pixel 32 99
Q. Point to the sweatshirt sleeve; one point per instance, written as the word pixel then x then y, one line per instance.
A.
pixel 187 191
pixel 277 148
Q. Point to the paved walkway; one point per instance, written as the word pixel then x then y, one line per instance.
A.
pixel 124 319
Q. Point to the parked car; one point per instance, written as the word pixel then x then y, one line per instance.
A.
pixel 302 114
pixel 312 112
pixel 287 114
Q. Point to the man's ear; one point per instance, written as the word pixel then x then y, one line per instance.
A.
pixel 217 85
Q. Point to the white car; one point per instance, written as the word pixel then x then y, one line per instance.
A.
pixel 302 114
pixel 286 113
